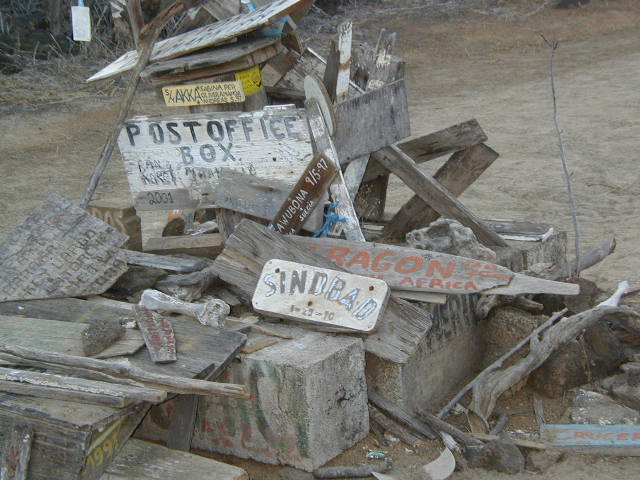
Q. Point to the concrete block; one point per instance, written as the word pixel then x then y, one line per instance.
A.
pixel 452 351
pixel 120 214
pixel 308 402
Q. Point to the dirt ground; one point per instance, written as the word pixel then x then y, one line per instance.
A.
pixel 490 67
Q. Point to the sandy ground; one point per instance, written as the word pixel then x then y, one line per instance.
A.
pixel 492 68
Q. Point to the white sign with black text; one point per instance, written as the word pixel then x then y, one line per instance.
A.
pixel 320 295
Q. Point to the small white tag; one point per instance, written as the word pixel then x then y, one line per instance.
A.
pixel 81 21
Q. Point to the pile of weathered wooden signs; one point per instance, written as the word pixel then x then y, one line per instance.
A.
pixel 318 164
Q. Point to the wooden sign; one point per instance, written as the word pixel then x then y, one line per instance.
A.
pixel 590 437
pixel 319 295
pixel 257 197
pixel 207 36
pixel 172 162
pixel 203 94
pixel 371 121
pixel 413 269
pixel 60 251
pixel 15 459
pixel 305 195
pixel 158 335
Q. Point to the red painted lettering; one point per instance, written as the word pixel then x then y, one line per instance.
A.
pixel 361 258
pixel 635 436
pixel 470 286
pixel 337 254
pixel 435 282
pixel 406 280
pixel 622 436
pixel 435 265
pixel 377 267
pixel 417 264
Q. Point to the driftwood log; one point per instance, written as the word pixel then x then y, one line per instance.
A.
pixel 125 370
pixel 489 385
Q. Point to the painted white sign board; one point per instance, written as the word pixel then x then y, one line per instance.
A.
pixel 320 295
pixel 175 162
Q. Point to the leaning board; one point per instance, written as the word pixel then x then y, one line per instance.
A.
pixel 174 162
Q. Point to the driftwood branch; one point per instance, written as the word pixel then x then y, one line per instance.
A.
pixel 563 156
pixel 488 386
pixel 498 363
pixel 587 259
pixel 356 471
pixel 125 369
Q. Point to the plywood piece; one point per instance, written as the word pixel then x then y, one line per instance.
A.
pixel 140 460
pixel 60 251
pixel 371 121
pixel 186 152
pixel 202 37
pixel 320 296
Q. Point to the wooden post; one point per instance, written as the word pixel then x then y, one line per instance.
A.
pixel 460 171
pixel 434 194
pixel 136 21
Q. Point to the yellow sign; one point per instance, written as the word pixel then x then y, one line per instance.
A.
pixel 203 94
pixel 251 80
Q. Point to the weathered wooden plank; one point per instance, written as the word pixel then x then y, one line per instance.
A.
pixel 320 296
pixel 345 33
pixel 127 372
pixel 17 451
pixel 418 270
pixel 206 245
pixel 330 77
pixel 460 171
pixel 66 309
pixel 206 36
pixel 520 230
pixel 167 262
pixel 248 61
pixel 140 460
pixel 257 197
pixel 186 152
pixel 62 337
pixel 338 189
pixel 305 196
pixel 122 216
pixel 158 335
pixel 433 193
pixel 251 246
pixel 371 198
pixel 452 139
pixel 621 440
pixel 60 251
pixel 60 387
pixel 212 58
pixel 277 67
pixel 371 121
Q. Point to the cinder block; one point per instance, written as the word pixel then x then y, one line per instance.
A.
pixel 308 402
pixel 120 214
pixel 451 352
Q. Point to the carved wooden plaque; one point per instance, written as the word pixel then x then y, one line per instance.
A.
pixel 158 335
pixel 320 295
pixel 60 251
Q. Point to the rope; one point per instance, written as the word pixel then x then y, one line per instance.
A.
pixel 330 218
